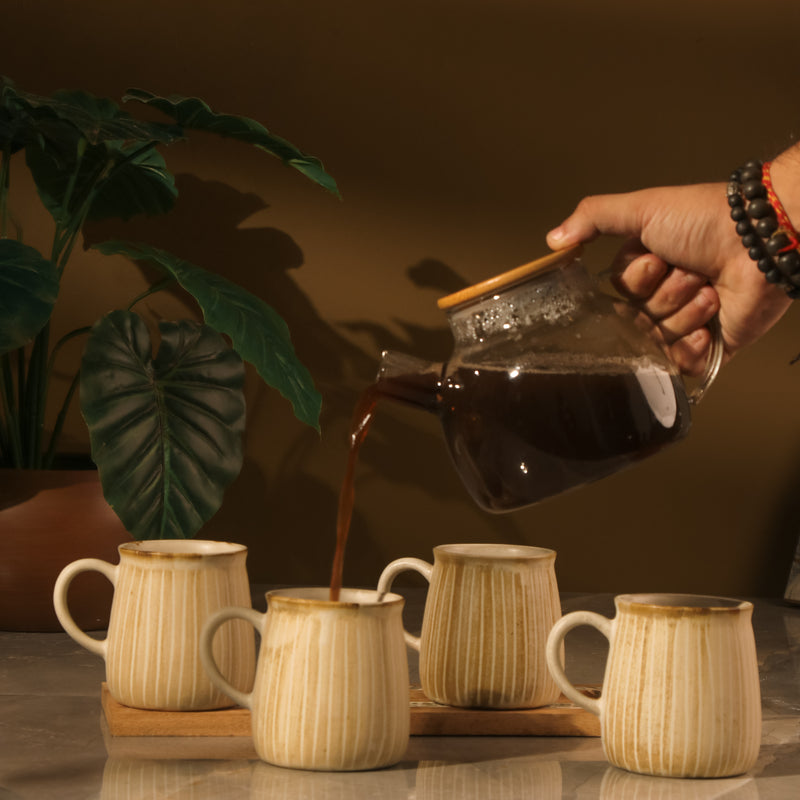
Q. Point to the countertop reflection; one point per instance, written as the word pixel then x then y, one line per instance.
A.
pixel 55 743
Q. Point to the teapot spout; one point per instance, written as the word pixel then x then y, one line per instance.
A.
pixel 410 380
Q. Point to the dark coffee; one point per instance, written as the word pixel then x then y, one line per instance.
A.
pixel 362 417
pixel 518 437
pixel 415 389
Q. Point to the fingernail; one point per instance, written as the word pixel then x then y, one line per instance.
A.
pixel 707 299
pixel 702 299
pixel 697 339
pixel 557 235
pixel 653 267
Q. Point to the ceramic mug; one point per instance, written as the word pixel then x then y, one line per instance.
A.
pixel 487 615
pixel 164 590
pixel 681 694
pixel 331 686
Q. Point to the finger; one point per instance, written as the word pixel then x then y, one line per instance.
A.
pixel 678 288
pixel 690 353
pixel 641 276
pixel 616 214
pixel 690 317
pixel 684 336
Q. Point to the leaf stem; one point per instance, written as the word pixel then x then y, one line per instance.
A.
pixel 5 178
pixel 10 413
pixel 81 149
pixel 37 396
pixel 62 341
pixel 47 462
pixel 156 287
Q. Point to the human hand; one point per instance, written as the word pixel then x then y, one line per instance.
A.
pixel 682 262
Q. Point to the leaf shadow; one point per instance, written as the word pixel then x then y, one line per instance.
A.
pixel 206 229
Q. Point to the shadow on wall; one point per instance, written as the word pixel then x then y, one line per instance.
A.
pixel 262 260
pixel 282 485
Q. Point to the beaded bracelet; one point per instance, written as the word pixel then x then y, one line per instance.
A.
pixel 761 221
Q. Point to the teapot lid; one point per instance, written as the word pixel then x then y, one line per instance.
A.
pixel 548 262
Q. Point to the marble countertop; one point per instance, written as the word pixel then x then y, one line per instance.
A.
pixel 55 743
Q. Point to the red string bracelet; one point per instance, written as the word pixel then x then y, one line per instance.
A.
pixel 784 222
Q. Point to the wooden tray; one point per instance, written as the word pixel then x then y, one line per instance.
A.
pixel 427 719
pixel 560 719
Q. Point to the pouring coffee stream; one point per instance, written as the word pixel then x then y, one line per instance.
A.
pixel 551 385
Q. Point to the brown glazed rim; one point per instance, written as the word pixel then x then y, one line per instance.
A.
pixel 495 551
pixel 680 604
pixel 180 548
pixel 311 597
pixel 543 264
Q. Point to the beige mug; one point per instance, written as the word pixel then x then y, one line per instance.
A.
pixel 164 590
pixel 331 685
pixel 681 694
pixel 487 615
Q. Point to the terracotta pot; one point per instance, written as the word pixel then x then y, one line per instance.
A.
pixel 49 518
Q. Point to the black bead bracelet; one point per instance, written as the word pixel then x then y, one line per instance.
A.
pixel 764 227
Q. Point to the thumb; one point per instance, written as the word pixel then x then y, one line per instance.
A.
pixel 616 214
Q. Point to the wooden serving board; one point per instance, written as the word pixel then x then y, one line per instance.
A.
pixel 560 719
pixel 427 719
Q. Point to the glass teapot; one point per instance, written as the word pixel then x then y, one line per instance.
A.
pixel 551 384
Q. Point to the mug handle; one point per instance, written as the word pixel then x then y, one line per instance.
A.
pixel 97 646
pixel 255 618
pixel 392 570
pixel 554 654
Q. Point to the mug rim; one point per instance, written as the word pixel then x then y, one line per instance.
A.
pixel 678 603
pixel 180 548
pixel 495 551
pixel 318 597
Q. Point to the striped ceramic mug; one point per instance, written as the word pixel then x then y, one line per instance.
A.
pixel 164 591
pixel 331 686
pixel 681 694
pixel 487 615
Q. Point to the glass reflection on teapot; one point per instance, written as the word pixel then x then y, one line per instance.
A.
pixel 551 384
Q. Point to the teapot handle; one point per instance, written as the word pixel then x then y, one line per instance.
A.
pixel 713 363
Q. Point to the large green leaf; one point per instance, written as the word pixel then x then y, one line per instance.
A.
pixel 28 292
pixel 130 180
pixel 100 119
pixel 17 126
pixel 96 119
pixel 165 433
pixel 75 140
pixel 258 333
pixel 138 183
pixel 193 113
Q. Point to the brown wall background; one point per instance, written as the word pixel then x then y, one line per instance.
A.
pixel 459 133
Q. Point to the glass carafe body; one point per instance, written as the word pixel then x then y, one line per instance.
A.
pixel 551 385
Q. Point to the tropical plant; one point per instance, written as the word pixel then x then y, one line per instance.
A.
pixel 165 430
